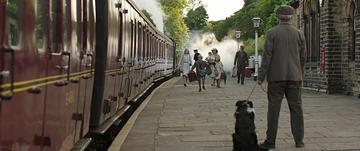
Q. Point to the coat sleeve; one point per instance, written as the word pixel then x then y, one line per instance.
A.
pixel 181 60
pixel 302 52
pixel 236 56
pixel 247 59
pixel 190 60
pixel 193 66
pixel 266 57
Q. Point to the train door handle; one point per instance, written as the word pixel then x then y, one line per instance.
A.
pixel 89 63
pixel 68 54
pixel 7 73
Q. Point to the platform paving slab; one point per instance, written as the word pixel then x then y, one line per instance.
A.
pixel 178 118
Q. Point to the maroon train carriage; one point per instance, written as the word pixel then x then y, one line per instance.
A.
pixel 71 68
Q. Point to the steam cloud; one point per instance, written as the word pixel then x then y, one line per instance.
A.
pixel 204 42
pixel 154 8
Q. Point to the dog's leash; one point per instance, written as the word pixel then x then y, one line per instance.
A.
pixel 252 91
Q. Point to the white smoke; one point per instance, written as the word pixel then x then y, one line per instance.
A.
pixel 204 42
pixel 154 8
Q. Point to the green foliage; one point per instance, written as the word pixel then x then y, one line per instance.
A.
pixel 192 4
pixel 13 6
pixel 148 15
pixel 40 10
pixel 197 19
pixel 175 25
pixel 242 19
pixel 250 45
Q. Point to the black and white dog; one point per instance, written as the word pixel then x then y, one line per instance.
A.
pixel 244 138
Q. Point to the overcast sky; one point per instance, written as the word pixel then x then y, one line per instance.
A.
pixel 220 9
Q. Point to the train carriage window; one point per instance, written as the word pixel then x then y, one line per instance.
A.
pixel 14 23
pixel 140 41
pixel 121 35
pixel 152 46
pixel 135 41
pixel 147 44
pixel 90 28
pixel 55 13
pixel 66 23
pixel 144 43
pixel 132 40
pixel 79 22
pixel 40 24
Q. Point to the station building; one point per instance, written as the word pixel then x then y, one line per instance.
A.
pixel 332 31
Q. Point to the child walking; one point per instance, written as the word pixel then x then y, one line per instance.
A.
pixel 200 66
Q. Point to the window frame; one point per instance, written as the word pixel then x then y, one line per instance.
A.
pixel 19 19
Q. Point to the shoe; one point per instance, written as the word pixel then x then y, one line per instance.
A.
pixel 204 87
pixel 185 85
pixel 199 90
pixel 242 83
pixel 266 145
pixel 300 145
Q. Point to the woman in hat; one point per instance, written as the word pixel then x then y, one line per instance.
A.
pixel 185 64
pixel 218 67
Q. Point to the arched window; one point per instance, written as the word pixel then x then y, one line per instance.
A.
pixel 312 29
pixel 352 30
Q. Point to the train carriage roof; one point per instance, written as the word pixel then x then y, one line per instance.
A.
pixel 151 25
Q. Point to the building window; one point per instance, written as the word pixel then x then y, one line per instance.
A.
pixel 358 7
pixel 312 30
pixel 352 27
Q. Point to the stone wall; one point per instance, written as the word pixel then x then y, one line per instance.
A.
pixel 337 21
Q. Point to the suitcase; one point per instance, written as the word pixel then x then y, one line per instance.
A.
pixel 247 72
pixel 192 76
pixel 223 76
pixel 234 72
pixel 177 72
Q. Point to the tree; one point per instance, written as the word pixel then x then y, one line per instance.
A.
pixel 192 4
pixel 148 15
pixel 242 19
pixel 197 19
pixel 175 25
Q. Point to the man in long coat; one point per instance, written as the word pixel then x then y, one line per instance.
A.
pixel 283 65
pixel 241 61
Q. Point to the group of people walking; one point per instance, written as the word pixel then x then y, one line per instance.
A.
pixel 212 66
pixel 283 62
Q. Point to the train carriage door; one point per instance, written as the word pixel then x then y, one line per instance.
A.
pixel 84 63
pixel 137 57
pixel 66 44
pixel 87 65
pixel 140 57
pixel 130 62
pixel 121 58
pixel 21 79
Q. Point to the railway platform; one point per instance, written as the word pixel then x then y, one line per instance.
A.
pixel 178 118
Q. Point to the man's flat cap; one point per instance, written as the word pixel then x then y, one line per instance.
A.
pixel 285 10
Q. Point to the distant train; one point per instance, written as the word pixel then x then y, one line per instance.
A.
pixel 70 68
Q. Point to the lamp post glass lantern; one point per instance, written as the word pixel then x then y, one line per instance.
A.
pixel 237 36
pixel 256 22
